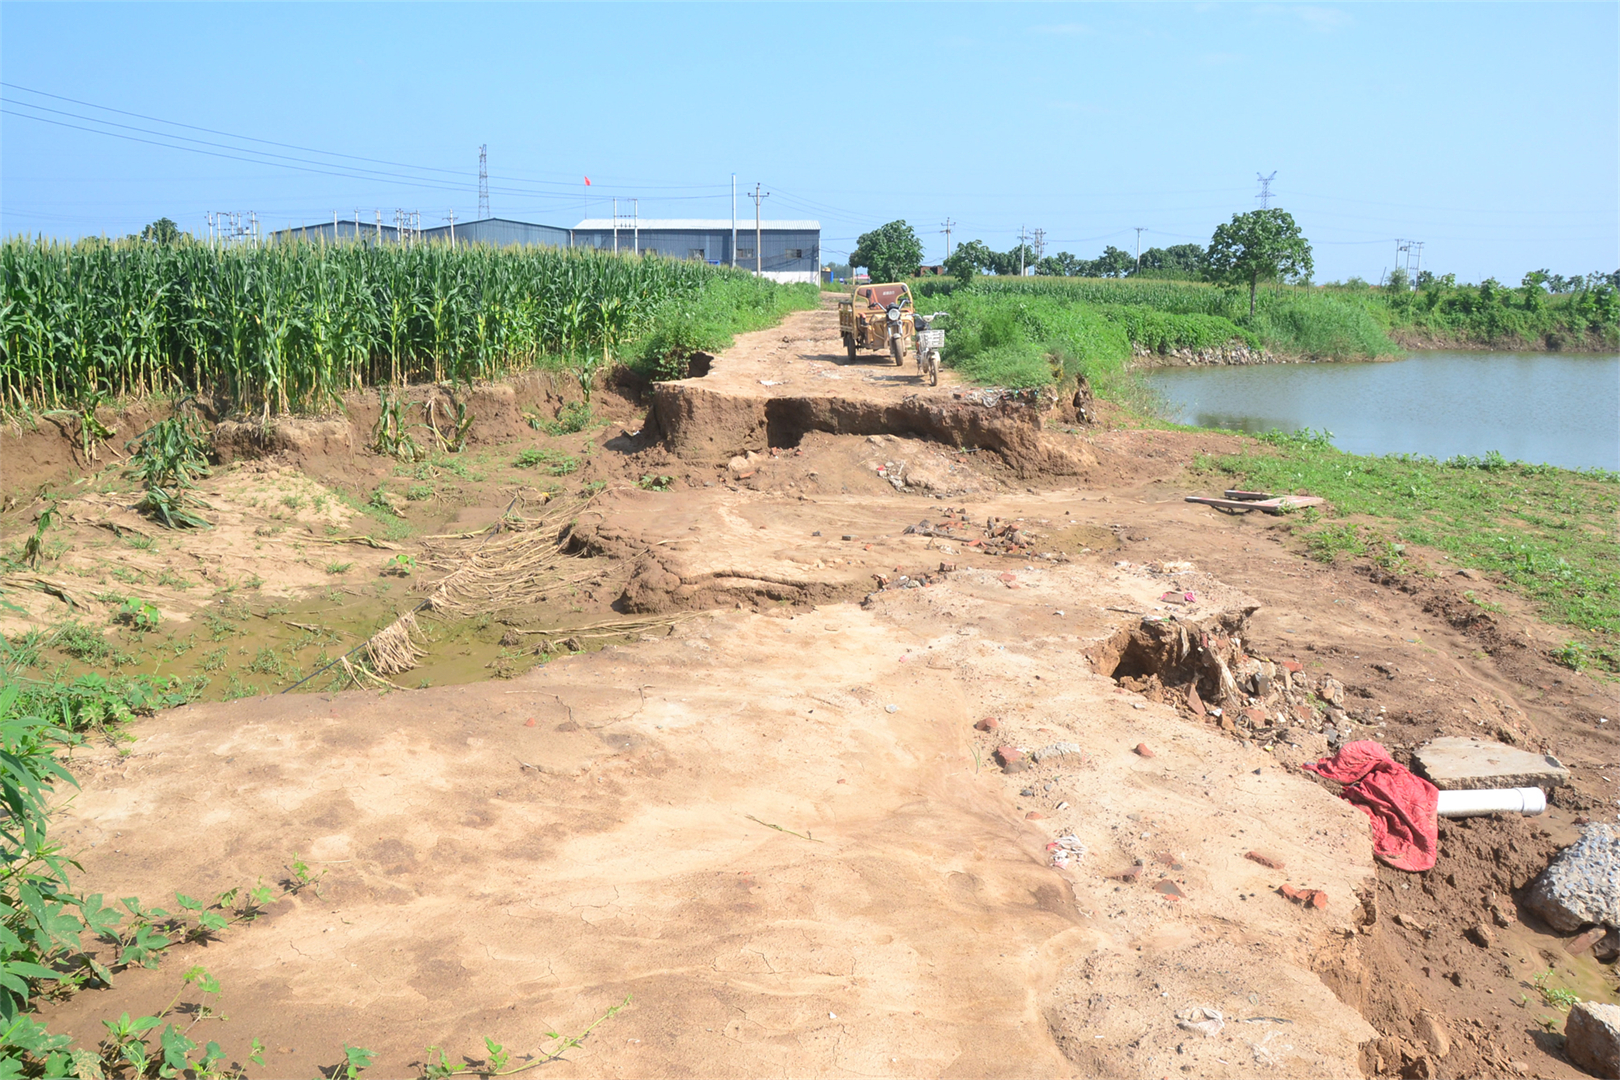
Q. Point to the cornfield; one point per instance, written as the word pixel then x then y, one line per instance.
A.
pixel 293 326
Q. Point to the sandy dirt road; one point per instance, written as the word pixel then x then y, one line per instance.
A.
pixel 776 828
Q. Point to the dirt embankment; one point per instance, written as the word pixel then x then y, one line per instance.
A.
pixel 928 778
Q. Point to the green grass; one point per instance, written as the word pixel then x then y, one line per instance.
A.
pixel 1334 322
pixel 707 321
pixel 1549 534
pixel 555 462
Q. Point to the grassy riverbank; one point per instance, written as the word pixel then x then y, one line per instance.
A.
pixel 1549 534
pixel 1340 322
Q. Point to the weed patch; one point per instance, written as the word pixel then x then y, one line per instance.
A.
pixel 1549 534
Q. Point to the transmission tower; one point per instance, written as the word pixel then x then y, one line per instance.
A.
pixel 1265 190
pixel 1039 244
pixel 945 227
pixel 483 181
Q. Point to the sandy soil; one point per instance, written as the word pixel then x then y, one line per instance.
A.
pixel 776 827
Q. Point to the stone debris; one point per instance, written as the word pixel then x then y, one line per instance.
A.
pixel 1011 759
pixel 1202 1020
pixel 1432 1032
pixel 989 723
pixel 1066 849
pixel 994 537
pixel 1143 751
pixel 1058 749
pixel 1581 942
pixel 1582 884
pixel 1461 763
pixel 1311 898
pixel 1264 859
pixel 1592 1038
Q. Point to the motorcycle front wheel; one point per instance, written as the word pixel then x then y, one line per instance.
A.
pixel 897 350
pixel 933 367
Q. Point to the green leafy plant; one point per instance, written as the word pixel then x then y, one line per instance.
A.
pixel 555 462
pixel 401 565
pixel 167 460
pixel 654 482
pixel 1573 655
pixel 139 615
pixel 419 492
pixel 1556 996
pixel 391 438
pixel 497 1059
pixel 338 567
pixel 34 547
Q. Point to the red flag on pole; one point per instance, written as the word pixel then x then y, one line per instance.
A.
pixel 587 181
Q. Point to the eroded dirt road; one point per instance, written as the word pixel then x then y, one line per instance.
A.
pixel 781 827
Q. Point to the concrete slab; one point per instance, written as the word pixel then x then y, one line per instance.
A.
pixel 1459 763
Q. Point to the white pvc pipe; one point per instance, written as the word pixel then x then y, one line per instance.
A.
pixel 1524 800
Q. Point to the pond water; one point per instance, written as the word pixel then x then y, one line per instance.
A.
pixel 1546 408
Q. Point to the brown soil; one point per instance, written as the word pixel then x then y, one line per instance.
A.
pixel 511 857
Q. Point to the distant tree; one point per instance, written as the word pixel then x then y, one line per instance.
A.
pixel 1398 282
pixel 1012 263
pixel 1425 279
pixel 890 252
pixel 968 259
pixel 162 231
pixel 1060 265
pixel 1113 263
pixel 1178 260
pixel 1261 245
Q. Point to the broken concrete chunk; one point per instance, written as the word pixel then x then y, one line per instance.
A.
pixel 1057 749
pixel 1461 763
pixel 1582 884
pixel 1592 1038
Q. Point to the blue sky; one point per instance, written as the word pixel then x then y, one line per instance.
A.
pixel 1490 132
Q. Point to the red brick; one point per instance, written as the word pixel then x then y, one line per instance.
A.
pixel 1194 702
pixel 1265 860
pixel 989 723
pixel 1143 751
pixel 1256 715
pixel 1011 759
pixel 1292 665
pixel 1170 890
pixel 1034 815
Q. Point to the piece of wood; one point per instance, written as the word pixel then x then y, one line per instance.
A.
pixel 1276 505
pixel 1248 496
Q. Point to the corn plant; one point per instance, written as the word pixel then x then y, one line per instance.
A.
pixel 169 457
pixel 287 326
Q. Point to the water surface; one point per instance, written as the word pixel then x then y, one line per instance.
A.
pixel 1546 408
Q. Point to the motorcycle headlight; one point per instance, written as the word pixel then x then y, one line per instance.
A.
pixel 894 314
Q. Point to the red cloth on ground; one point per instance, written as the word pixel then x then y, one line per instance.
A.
pixel 1405 827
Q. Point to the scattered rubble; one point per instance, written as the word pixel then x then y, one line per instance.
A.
pixel 1582 885
pixel 1592 1038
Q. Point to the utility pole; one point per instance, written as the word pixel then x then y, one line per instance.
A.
pixel 635 219
pixel 452 228
pixel 379 226
pixel 733 221
pixel 1040 244
pixel 759 254
pixel 483 182
pixel 1020 251
pixel 1265 190
pixel 615 224
pixel 1139 230
pixel 945 227
pixel 334 226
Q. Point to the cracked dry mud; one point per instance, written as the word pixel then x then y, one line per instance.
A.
pixel 776 827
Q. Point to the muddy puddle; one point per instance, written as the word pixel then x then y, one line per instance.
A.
pixel 247 646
